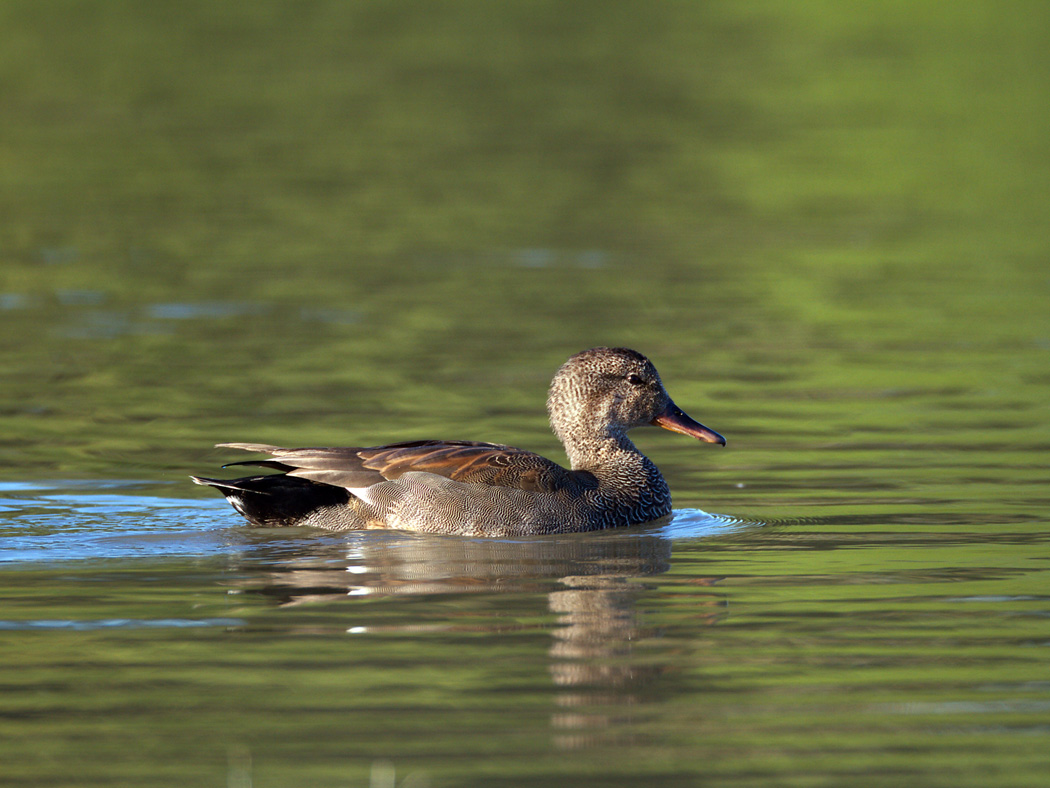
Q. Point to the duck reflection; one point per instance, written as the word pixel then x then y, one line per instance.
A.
pixel 591 583
pixel 298 571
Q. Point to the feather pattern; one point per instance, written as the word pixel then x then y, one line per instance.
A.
pixel 485 488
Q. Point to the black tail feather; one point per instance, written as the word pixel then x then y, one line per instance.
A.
pixel 276 500
pixel 277 465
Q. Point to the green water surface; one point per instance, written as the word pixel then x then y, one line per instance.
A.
pixel 325 223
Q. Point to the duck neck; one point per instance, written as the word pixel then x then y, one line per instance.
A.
pixel 630 487
pixel 616 462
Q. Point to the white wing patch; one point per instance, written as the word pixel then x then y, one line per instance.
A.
pixel 363 493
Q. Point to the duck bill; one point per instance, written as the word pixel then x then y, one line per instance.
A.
pixel 675 420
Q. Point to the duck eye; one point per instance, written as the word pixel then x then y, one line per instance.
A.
pixel 635 380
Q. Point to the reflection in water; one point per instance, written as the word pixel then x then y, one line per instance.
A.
pixel 393 563
pixel 593 654
pixel 591 589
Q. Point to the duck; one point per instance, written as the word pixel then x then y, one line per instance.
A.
pixel 469 488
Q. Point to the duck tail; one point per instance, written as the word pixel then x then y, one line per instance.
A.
pixel 276 500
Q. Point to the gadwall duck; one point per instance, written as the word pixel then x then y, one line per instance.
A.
pixel 484 489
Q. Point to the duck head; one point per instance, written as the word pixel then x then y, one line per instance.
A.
pixel 603 392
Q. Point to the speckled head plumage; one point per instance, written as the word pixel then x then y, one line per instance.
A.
pixel 604 391
pixel 601 393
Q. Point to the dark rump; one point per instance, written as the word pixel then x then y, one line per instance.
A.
pixel 276 500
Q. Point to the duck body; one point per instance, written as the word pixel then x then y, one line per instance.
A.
pixel 486 489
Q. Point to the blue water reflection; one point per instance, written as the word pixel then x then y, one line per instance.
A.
pixel 67 521
pixel 118 623
pixel 78 520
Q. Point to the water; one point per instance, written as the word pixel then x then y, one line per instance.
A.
pixel 343 224
pixel 173 644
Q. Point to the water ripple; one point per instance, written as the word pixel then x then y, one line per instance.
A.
pixel 119 623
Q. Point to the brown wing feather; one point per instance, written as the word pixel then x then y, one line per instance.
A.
pixel 464 461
